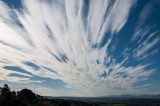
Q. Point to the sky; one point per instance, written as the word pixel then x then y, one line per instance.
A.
pixel 81 47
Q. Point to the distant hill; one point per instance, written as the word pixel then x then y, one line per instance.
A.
pixel 122 98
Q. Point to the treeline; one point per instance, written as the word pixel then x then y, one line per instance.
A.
pixel 25 97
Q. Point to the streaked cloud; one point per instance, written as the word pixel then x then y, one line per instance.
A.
pixel 70 41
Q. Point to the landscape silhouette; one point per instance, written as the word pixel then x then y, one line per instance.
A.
pixel 26 97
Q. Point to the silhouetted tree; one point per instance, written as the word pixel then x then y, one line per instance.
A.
pixel 5 96
pixel 6 86
pixel 26 95
pixel 13 93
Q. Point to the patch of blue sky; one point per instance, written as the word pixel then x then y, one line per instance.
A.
pixel 17 75
pixel 50 83
pixel 14 3
pixel 104 74
pixel 31 64
pixel 17 68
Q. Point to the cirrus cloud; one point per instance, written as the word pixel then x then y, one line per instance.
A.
pixel 69 40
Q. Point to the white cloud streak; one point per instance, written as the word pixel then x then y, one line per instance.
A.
pixel 55 35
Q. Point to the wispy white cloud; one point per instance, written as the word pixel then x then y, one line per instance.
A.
pixel 141 51
pixel 144 35
pixel 54 34
pixel 142 27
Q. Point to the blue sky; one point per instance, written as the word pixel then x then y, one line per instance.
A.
pixel 81 47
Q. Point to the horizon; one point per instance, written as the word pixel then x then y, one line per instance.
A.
pixel 124 96
pixel 83 48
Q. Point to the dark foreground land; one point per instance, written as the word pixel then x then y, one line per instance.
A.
pixel 26 97
pixel 107 102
